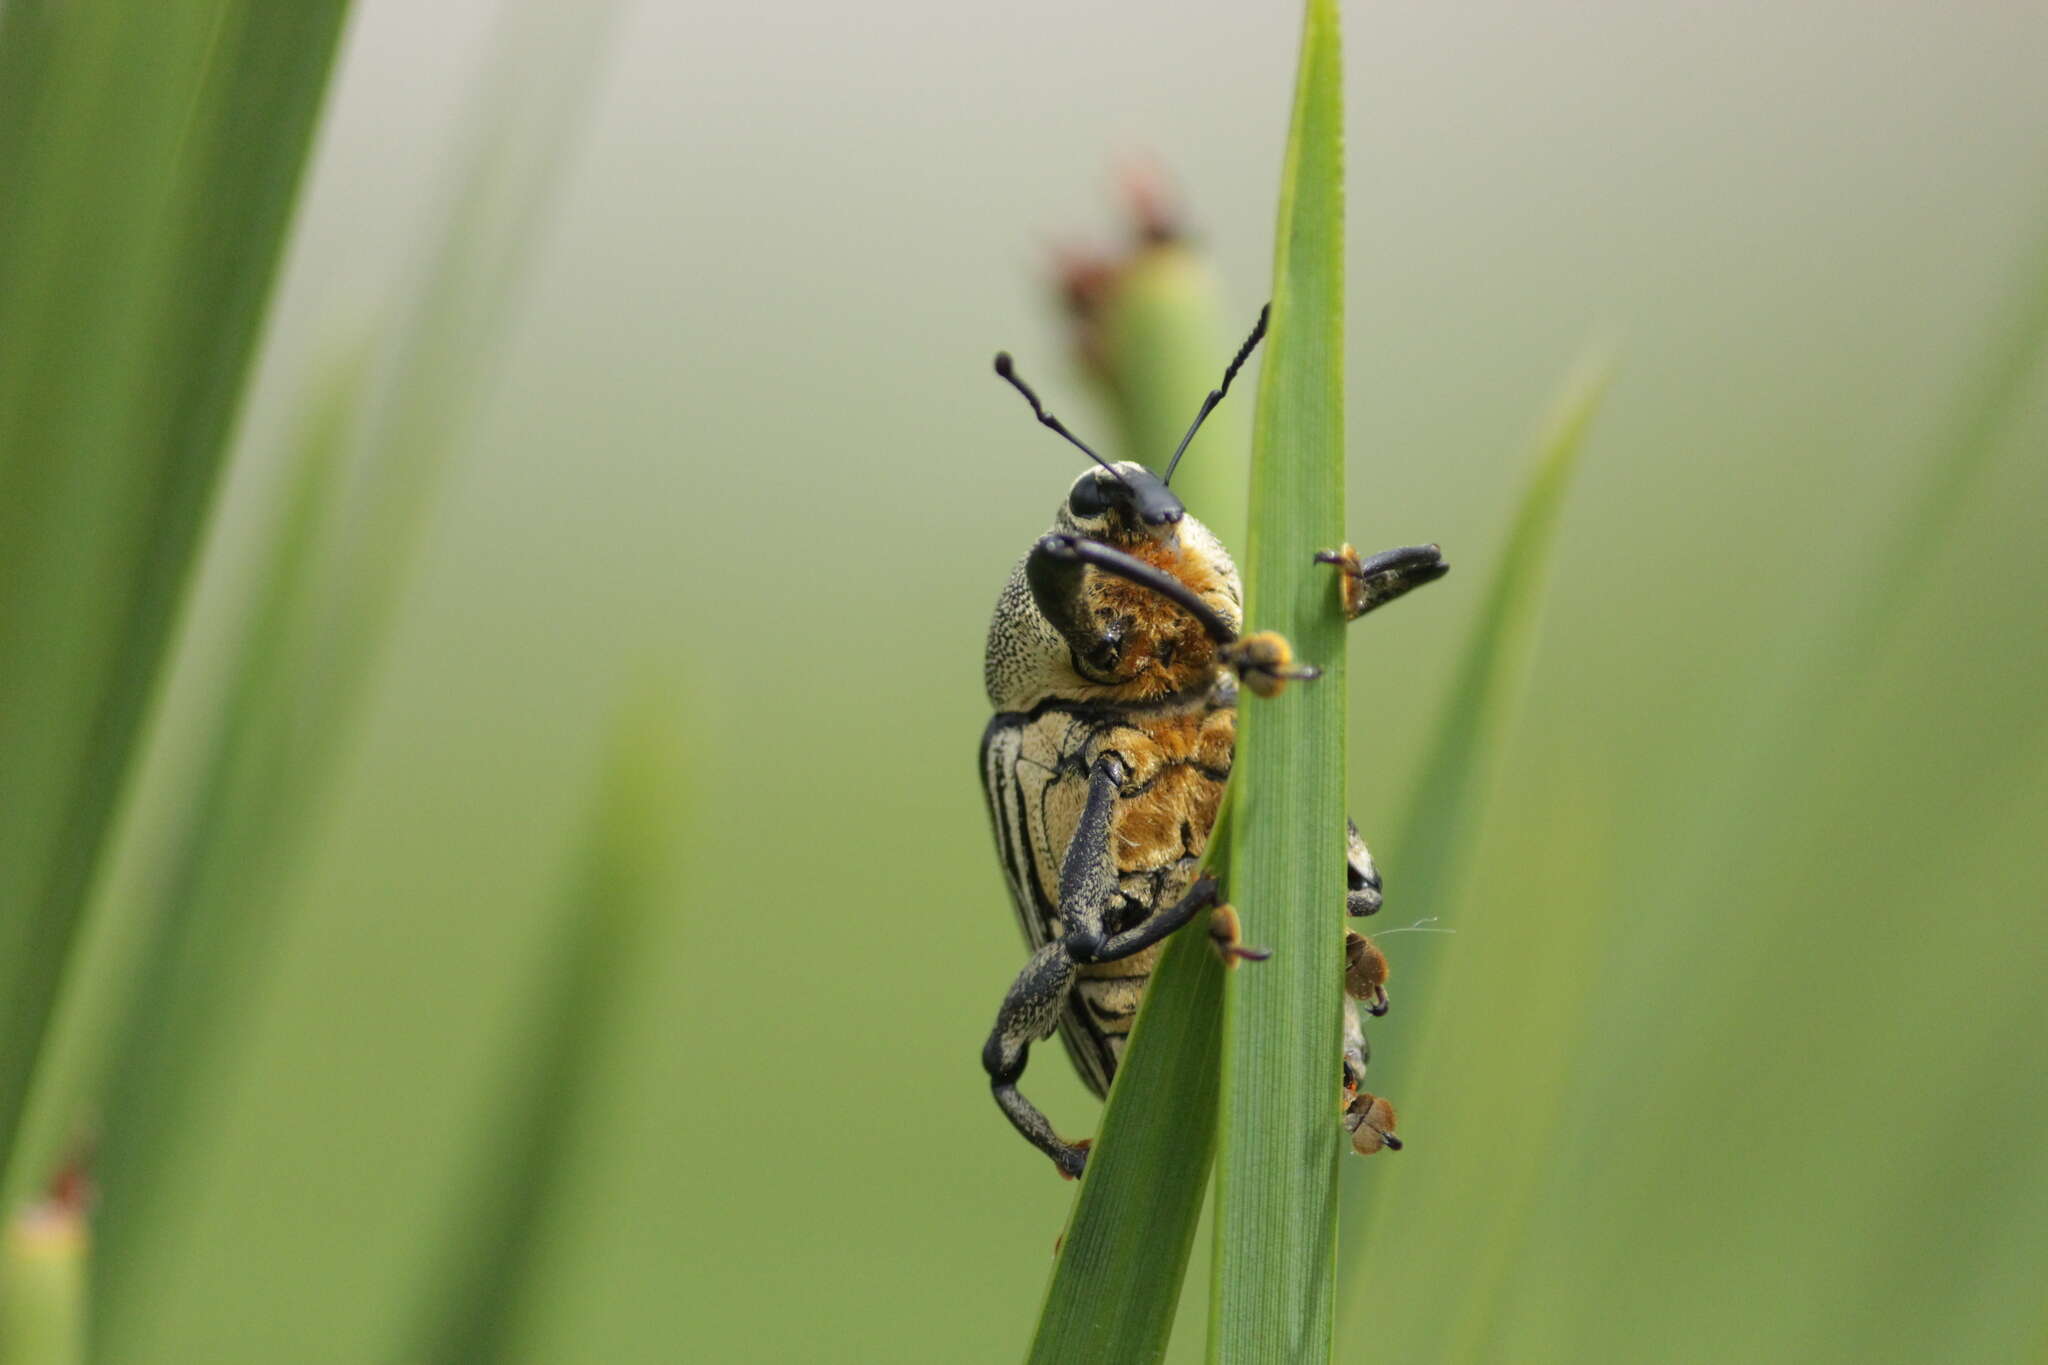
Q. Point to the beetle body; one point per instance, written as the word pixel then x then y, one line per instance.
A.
pixel 1115 662
pixel 1164 707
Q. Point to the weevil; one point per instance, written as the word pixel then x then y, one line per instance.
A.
pixel 1114 663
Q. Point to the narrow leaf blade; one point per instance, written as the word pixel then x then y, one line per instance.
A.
pixel 1276 1183
pixel 1435 835
pixel 625 879
pixel 1434 842
pixel 151 158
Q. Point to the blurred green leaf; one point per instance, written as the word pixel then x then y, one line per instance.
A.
pixel 150 154
pixel 1166 337
pixel 306 684
pixel 155 1010
pixel 1276 1178
pixel 1498 1113
pixel 1435 843
pixel 42 1285
pixel 1436 833
pixel 626 880
pixel 1990 398
pixel 102 997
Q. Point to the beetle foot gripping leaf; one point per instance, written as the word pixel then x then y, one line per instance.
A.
pixel 1226 933
pixel 1265 662
pixel 1365 973
pixel 1369 583
pixel 1370 1121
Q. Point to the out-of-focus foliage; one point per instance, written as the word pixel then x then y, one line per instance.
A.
pixel 42 1284
pixel 1446 801
pixel 149 161
pixel 1733 1049
pixel 624 879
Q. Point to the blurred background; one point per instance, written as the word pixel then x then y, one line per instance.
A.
pixel 680 316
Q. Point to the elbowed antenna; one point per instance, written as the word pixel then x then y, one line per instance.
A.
pixel 1216 395
pixel 1007 368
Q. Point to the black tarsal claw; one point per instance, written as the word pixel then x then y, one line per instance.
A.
pixel 1376 581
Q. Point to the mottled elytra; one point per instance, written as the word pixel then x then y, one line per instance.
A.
pixel 1114 664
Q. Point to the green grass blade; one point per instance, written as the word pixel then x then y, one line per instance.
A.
pixel 131 909
pixel 625 881
pixel 1434 842
pixel 156 1023
pixel 1276 1178
pixel 150 156
pixel 1435 836
pixel 42 1284
pixel 1125 1252
pixel 215 951
pixel 1991 398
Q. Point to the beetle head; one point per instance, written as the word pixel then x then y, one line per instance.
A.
pixel 1121 504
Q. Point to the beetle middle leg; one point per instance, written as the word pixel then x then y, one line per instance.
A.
pixel 1031 1009
pixel 1365 967
pixel 1367 1118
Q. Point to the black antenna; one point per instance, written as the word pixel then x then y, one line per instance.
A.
pixel 1008 370
pixel 1216 395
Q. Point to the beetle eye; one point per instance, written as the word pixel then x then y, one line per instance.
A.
pixel 1087 500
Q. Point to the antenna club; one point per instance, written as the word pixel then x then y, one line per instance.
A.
pixel 1005 366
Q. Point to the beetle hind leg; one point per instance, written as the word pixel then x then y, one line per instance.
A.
pixel 1365 966
pixel 1368 1119
pixel 1030 1011
pixel 1365 973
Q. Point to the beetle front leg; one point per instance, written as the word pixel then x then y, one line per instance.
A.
pixel 1264 661
pixel 1374 582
